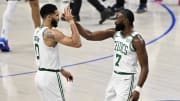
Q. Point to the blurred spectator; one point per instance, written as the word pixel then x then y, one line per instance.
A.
pixel 105 13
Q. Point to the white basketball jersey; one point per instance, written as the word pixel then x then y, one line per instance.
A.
pixel 125 57
pixel 46 57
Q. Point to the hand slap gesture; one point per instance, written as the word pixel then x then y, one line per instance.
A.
pixel 67 14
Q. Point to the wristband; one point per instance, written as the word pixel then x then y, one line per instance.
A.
pixel 138 89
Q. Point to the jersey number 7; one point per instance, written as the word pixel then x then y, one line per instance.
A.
pixel 118 56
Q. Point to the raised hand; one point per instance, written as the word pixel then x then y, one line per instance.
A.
pixel 67 15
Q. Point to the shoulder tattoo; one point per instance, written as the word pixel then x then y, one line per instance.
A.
pixel 48 34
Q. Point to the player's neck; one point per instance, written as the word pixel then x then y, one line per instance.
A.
pixel 47 24
pixel 127 31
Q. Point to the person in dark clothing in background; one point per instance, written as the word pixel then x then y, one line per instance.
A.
pixel 105 13
pixel 120 4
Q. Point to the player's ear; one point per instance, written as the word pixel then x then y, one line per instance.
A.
pixel 126 20
pixel 49 17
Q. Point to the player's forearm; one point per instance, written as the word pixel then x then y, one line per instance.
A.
pixel 35 12
pixel 75 34
pixel 84 33
pixel 143 76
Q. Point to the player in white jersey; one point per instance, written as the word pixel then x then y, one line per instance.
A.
pixel 129 48
pixel 8 16
pixel 45 40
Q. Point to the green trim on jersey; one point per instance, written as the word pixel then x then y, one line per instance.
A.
pixel 115 35
pixel 131 46
pixel 134 34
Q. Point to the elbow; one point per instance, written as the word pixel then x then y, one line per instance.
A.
pixel 77 45
pixel 146 70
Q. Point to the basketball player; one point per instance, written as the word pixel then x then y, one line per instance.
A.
pixel 7 17
pixel 129 47
pixel 45 40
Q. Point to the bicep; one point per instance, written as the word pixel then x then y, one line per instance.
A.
pixel 140 47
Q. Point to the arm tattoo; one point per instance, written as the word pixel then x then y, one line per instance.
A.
pixel 48 35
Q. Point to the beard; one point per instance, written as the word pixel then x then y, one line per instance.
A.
pixel 54 23
pixel 120 27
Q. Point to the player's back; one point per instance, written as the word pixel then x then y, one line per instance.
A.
pixel 46 57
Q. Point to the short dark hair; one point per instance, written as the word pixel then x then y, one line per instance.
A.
pixel 47 9
pixel 129 15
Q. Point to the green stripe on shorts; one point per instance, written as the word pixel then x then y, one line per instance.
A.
pixel 60 86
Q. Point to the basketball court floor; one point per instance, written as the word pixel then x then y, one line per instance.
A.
pixel 91 64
